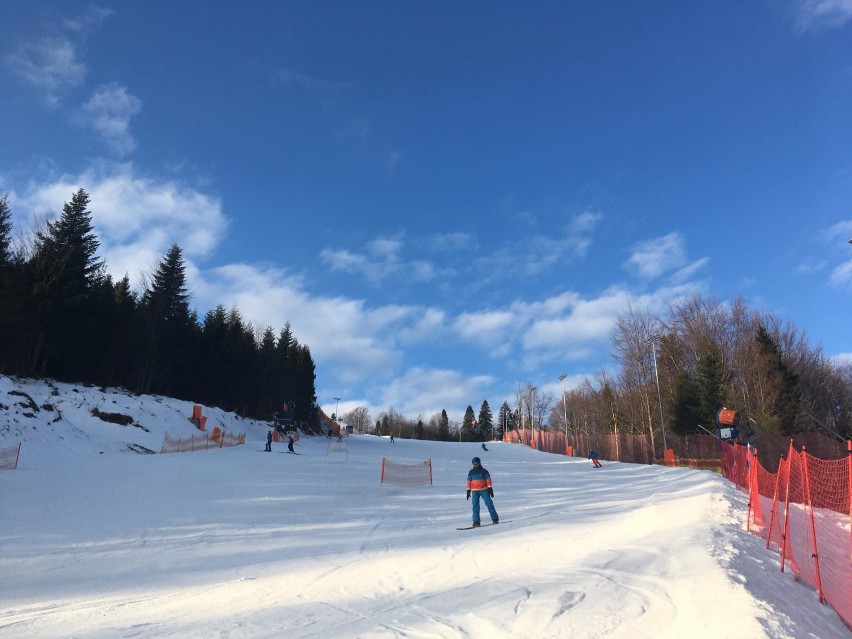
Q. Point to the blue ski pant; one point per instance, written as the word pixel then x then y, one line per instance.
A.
pixel 475 496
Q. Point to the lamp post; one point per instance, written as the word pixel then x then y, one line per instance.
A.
pixel 564 407
pixel 654 339
pixel 337 410
pixel 532 409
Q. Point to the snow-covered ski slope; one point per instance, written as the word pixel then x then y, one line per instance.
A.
pixel 101 542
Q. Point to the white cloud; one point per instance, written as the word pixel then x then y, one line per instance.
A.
pixel 352 340
pixel 689 271
pixel 381 260
pixel 652 258
pixel 842 359
pixel 491 330
pixel 51 65
pixel 840 230
pixel 841 275
pixel 816 14
pixel 109 112
pixel 437 389
pixel 428 325
pixel 811 267
pixel 386 247
pixel 543 252
pixel 136 218
pixel 393 161
pixel 839 235
pixel 453 242
pixel 88 20
pixel 576 326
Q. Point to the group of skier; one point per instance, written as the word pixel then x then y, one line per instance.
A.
pixel 269 443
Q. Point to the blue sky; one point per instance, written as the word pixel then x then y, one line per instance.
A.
pixel 444 199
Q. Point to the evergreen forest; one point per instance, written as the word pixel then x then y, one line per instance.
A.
pixel 63 317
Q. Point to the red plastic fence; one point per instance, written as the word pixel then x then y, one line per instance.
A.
pixel 804 511
pixel 201 442
pixel 9 457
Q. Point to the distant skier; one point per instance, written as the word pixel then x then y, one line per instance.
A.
pixel 479 484
pixel 484 448
pixel 594 457
pixel 290 445
pixel 269 441
pixel 392 439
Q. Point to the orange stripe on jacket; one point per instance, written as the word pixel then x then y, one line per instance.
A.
pixel 478 479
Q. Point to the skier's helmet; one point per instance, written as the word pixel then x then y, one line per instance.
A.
pixel 475 460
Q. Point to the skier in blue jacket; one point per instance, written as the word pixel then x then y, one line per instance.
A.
pixel 479 485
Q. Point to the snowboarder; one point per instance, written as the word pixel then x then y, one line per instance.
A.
pixel 594 457
pixel 479 484
pixel 269 441
pixel 290 445
pixel 484 448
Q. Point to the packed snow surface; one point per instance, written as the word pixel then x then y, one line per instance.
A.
pixel 101 541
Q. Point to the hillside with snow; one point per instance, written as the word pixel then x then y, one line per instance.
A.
pixel 103 540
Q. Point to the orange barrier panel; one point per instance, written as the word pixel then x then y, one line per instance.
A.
pixel 197 419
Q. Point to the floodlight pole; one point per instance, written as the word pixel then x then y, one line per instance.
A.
pixel 564 407
pixel 532 409
pixel 654 339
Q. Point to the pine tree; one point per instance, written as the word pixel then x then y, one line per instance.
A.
pixel 124 328
pixel 9 308
pixel 5 233
pixel 62 272
pixel 684 405
pixel 709 387
pixel 444 427
pixel 267 401
pixel 485 422
pixel 168 326
pixel 505 418
pixel 781 396
pixel 468 432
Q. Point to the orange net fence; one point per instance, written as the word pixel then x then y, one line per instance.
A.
pixel 804 511
pixel 220 439
pixel 9 457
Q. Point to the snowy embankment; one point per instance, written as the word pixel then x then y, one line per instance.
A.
pixel 99 541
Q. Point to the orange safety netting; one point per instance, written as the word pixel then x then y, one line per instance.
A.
pixel 804 511
pixel 9 457
pixel 201 442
